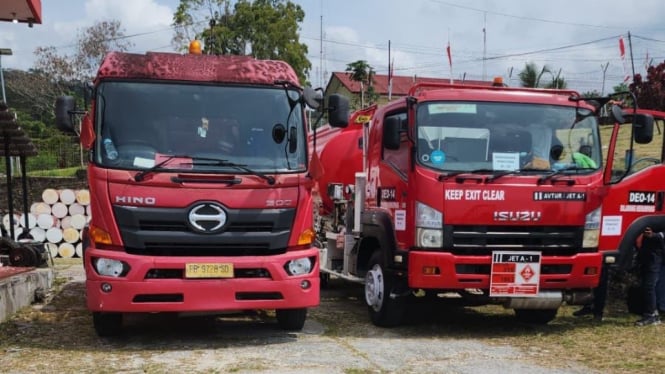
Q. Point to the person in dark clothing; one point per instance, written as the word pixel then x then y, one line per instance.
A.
pixel 650 257
pixel 597 306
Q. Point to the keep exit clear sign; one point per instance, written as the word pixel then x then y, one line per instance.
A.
pixel 515 274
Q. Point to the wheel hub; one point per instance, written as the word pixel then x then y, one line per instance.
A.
pixel 374 288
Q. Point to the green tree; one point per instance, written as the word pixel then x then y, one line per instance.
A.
pixel 362 72
pixel 532 76
pixel 621 87
pixel 264 29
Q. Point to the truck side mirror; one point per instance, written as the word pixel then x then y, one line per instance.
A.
pixel 617 114
pixel 338 111
pixel 64 106
pixel 391 133
pixel 312 97
pixel 642 128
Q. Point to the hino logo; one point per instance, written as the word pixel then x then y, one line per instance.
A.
pixel 517 216
pixel 148 200
pixel 207 218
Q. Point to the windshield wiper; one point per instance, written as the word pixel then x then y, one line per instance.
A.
pixel 496 174
pixel 500 173
pixel 140 176
pixel 219 162
pixel 554 173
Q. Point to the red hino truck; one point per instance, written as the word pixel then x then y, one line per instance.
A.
pixel 200 194
pixel 475 195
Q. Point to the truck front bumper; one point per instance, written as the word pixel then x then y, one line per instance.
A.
pixel 473 272
pixel 158 284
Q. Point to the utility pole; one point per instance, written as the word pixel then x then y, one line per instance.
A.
pixel 604 67
pixel 321 49
pixel 484 46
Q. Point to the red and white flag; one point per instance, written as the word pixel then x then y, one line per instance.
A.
pixel 450 61
pixel 622 53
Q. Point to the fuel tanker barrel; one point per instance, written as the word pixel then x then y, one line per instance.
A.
pixel 340 155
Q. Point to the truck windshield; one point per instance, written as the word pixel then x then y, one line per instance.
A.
pixel 491 136
pixel 140 123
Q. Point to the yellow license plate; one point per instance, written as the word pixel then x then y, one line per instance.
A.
pixel 199 270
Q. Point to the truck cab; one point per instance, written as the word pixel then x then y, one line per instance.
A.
pixel 201 199
pixel 479 195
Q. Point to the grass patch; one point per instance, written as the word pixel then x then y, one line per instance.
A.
pixel 66 172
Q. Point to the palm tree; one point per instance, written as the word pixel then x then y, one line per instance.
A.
pixel 531 77
pixel 360 71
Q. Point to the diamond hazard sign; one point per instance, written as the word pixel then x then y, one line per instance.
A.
pixel 515 274
pixel 527 273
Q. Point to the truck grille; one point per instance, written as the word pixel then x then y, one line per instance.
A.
pixel 482 240
pixel 166 232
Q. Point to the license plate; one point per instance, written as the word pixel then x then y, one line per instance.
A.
pixel 199 270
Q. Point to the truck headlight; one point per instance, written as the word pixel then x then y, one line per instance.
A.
pixel 110 268
pixel 429 238
pixel 591 229
pixel 429 223
pixel 299 266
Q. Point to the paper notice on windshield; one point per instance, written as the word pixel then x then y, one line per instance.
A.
pixel 505 161
pixel 143 162
pixel 173 162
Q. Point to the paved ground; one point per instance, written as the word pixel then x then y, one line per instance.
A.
pixel 337 338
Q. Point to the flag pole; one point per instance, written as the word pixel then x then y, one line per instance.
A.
pixel 630 48
pixel 450 59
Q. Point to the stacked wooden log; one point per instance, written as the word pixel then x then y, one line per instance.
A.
pixel 57 221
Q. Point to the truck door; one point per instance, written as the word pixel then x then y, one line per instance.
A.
pixel 640 193
pixel 392 181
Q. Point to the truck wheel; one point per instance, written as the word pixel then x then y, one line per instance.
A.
pixel 291 319
pixel 536 316
pixel 107 324
pixel 384 311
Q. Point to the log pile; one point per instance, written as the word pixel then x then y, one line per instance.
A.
pixel 57 221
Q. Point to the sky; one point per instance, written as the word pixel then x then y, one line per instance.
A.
pixel 577 39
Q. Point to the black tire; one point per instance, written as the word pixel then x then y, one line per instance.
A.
pixel 384 311
pixel 107 324
pixel 536 316
pixel 291 319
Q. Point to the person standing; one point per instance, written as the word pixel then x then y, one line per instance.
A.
pixel 597 306
pixel 650 257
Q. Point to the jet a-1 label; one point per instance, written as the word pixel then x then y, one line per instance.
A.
pixel 559 196
pixel 642 197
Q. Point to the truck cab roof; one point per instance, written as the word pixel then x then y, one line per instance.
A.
pixel 193 67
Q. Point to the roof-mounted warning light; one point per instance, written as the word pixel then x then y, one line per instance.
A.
pixel 195 47
pixel 498 82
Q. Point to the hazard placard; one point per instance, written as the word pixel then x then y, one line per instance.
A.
pixel 515 274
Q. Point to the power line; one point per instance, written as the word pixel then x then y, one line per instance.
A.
pixel 533 19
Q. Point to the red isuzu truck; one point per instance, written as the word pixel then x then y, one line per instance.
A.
pixel 472 194
pixel 200 194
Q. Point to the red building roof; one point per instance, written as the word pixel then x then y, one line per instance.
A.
pixel 25 11
pixel 401 84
